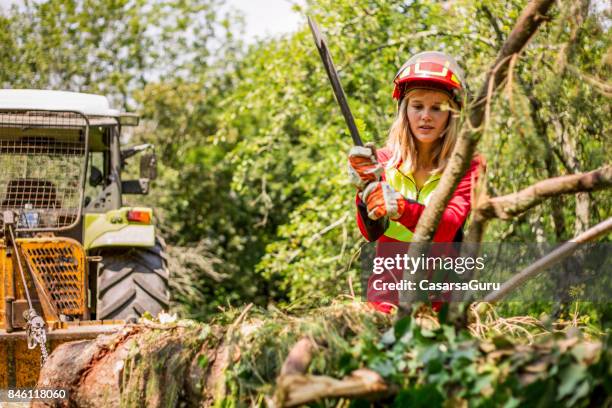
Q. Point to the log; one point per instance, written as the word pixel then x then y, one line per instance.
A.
pixel 140 366
pixel 297 389
pixel 70 365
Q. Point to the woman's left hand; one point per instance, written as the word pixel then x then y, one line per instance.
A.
pixel 363 166
pixel 382 200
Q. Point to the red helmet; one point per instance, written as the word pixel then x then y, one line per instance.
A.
pixel 430 69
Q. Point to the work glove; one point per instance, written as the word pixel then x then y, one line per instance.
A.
pixel 382 200
pixel 363 167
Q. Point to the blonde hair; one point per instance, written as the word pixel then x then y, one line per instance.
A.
pixel 401 140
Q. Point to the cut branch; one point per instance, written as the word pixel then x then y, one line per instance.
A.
pixel 552 258
pixel 294 390
pixel 299 358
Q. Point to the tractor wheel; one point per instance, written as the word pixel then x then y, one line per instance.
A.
pixel 132 281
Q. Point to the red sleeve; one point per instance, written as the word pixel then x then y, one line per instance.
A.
pixel 456 211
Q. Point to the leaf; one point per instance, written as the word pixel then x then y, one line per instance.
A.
pixel 347 363
pixel 443 313
pixel 428 333
pixel 468 354
pixel 203 361
pixel 570 377
pixel 383 366
pixel 426 396
pixel 388 337
pixel 587 352
pixel 361 125
pixel 581 391
pixel 401 327
pixel 204 333
pixel 512 402
pixel 449 333
pixel 483 385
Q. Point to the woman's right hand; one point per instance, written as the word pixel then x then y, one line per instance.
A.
pixel 363 167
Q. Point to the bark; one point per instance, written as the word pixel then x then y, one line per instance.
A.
pixel 569 151
pixel 511 205
pixel 143 365
pixel 71 363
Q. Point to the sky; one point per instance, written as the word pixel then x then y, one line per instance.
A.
pixel 262 17
pixel 267 17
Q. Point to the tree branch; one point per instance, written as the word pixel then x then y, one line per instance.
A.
pixel 299 358
pixel 511 205
pixel 552 258
pixel 508 206
pixel 529 21
pixel 498 32
pixel 294 390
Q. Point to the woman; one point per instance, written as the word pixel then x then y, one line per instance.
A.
pixel 395 183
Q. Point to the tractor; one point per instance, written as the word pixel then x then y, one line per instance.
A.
pixel 75 260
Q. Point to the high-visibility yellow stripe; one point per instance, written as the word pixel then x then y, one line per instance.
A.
pixel 403 182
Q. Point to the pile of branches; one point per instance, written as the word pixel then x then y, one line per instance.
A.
pixel 335 356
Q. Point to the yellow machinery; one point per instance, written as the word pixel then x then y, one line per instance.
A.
pixel 74 261
pixel 57 273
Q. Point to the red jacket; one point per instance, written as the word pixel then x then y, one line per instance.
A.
pixel 453 217
pixel 449 227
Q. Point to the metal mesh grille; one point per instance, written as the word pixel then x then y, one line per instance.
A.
pixel 61 267
pixel 42 157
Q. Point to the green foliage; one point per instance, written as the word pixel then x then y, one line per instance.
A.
pixel 252 192
pixel 429 364
pixel 112 47
pixel 253 145
pixel 433 365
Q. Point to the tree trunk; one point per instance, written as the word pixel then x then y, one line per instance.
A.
pixel 143 365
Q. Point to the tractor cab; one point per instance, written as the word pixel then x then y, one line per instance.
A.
pixel 72 254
